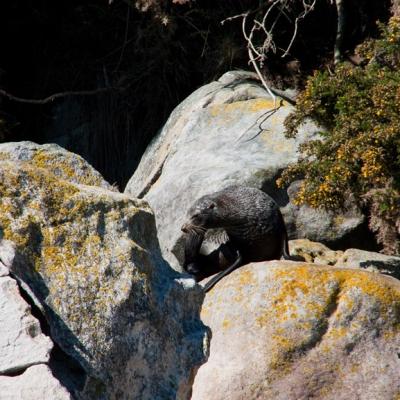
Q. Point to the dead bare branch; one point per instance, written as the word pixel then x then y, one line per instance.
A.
pixel 253 60
pixel 56 96
pixel 264 27
pixel 307 8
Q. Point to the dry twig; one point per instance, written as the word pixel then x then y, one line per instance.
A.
pixel 56 96
pixel 266 25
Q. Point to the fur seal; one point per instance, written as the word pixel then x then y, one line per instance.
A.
pixel 253 224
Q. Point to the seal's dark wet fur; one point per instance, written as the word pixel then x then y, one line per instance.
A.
pixel 253 224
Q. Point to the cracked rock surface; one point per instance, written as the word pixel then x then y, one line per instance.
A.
pixel 37 382
pixel 89 259
pixel 24 349
pixel 22 342
pixel 287 331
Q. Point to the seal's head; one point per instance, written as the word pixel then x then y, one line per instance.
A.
pixel 201 216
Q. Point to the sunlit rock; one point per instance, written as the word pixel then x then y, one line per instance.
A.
pixel 91 259
pixel 289 331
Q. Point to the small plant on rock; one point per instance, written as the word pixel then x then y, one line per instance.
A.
pixel 357 154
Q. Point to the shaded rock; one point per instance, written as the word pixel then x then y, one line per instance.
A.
pixel 289 331
pixel 374 262
pixel 314 252
pixel 60 162
pixel 227 132
pixel 36 383
pixel 91 258
pixel 22 342
pixel 348 228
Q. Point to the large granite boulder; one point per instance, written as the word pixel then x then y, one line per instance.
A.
pixel 90 259
pixel 227 132
pixel 60 162
pixel 290 331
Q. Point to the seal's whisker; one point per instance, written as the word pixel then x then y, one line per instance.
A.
pixel 199 230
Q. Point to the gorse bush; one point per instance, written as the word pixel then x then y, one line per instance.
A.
pixel 357 153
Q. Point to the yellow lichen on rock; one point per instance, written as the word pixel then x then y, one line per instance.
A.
pixel 329 289
pixel 89 257
pixel 301 328
pixel 245 106
pixel 314 252
pixel 59 228
pixel 57 161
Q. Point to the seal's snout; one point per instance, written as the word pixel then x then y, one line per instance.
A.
pixel 185 227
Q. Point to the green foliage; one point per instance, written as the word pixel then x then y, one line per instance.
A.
pixel 357 155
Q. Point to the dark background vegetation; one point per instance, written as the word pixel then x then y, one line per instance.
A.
pixel 149 61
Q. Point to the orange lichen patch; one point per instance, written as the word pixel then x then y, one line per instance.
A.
pixel 347 299
pixel 285 311
pixel 392 333
pixel 55 260
pixel 347 279
pixel 226 323
pixel 371 284
pixel 43 159
pixel 246 106
pixel 284 343
pixel 307 296
pixel 55 225
pixel 355 368
pixel 294 287
pixel 246 277
pixel 238 298
pixel 282 146
pixel 66 167
pixel 205 312
pixel 336 333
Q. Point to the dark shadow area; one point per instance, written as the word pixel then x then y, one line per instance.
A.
pixel 384 267
pixel 279 195
pixel 146 64
pixel 14 373
pixel 359 238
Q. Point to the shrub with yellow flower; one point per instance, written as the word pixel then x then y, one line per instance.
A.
pixel 358 152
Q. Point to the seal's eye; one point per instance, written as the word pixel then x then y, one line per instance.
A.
pixel 211 206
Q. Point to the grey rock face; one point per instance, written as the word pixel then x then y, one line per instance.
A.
pixel 290 331
pixel 347 228
pixel 36 383
pixel 24 349
pixel 355 258
pixel 225 133
pixel 351 258
pixel 314 252
pixel 22 342
pixel 60 162
pixel 91 259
